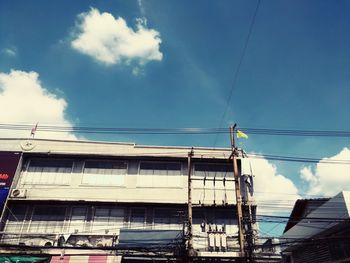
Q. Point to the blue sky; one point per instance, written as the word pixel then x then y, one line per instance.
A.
pixel 295 74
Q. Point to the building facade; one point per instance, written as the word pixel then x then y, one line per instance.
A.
pixel 318 231
pixel 120 202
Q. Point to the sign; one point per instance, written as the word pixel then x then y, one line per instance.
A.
pixel 8 166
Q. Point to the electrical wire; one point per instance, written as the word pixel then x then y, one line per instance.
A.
pixel 238 68
pixel 174 131
pixel 224 154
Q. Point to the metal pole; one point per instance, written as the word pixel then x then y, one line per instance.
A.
pixel 190 250
pixel 237 191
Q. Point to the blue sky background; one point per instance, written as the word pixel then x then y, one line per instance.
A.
pixel 295 74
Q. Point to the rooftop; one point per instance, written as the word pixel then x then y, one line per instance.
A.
pixel 82 147
pixel 311 217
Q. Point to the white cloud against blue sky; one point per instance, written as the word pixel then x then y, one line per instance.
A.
pixel 9 51
pixel 111 41
pixel 295 74
pixel 328 178
pixel 24 100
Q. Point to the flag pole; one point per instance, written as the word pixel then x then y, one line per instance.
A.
pixel 32 132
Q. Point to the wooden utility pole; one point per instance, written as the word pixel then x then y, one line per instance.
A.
pixel 237 190
pixel 190 250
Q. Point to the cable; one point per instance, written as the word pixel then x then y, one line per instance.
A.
pixel 202 152
pixel 298 159
pixel 235 76
pixel 172 131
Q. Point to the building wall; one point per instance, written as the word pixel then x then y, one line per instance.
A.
pixel 88 200
pixel 87 192
pixel 36 223
pixel 131 183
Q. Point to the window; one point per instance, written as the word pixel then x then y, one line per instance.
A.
pixel 15 219
pixel 160 174
pixel 213 170
pixel 104 173
pixel 215 219
pixel 166 218
pixel 108 219
pixel 149 168
pixel 47 219
pixel 48 172
pixel 225 220
pixel 137 217
pixel 77 219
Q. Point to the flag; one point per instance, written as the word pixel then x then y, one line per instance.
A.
pixel 32 133
pixel 241 134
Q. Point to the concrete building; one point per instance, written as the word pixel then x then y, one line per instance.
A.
pixel 318 231
pixel 77 201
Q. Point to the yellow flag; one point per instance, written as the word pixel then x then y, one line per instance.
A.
pixel 241 134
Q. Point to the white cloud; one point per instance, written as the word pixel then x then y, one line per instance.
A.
pixel 306 175
pixel 11 52
pixel 111 41
pixel 274 192
pixel 136 71
pixel 141 7
pixel 328 178
pixel 23 99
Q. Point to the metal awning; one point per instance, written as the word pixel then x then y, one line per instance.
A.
pixel 140 238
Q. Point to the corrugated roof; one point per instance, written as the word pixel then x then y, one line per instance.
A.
pixel 311 217
pixel 301 208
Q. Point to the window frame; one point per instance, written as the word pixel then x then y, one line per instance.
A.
pixel 21 223
pixel 161 162
pixel 110 208
pixel 167 177
pixel 64 182
pixel 230 173
pixel 108 184
pixel 179 221
pixel 144 219
pixel 69 220
pixel 30 221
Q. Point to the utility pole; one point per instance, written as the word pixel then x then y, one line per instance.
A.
pixel 246 235
pixel 234 155
pixel 190 250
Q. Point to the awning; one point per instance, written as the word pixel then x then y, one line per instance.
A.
pixel 137 238
pixel 86 259
pixel 24 259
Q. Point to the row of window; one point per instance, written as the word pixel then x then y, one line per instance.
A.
pixel 57 219
pixel 120 167
pixel 152 174
pixel 69 220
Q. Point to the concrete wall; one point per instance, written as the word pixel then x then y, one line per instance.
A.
pixel 134 187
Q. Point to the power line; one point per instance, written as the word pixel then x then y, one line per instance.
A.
pixel 174 131
pixel 235 76
pixel 298 159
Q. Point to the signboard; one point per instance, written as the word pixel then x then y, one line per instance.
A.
pixel 8 166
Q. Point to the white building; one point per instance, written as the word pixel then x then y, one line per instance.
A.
pixel 111 202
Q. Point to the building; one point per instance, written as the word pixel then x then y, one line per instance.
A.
pixel 77 201
pixel 318 230
pixel 268 250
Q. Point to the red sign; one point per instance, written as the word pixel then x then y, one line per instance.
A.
pixel 4 176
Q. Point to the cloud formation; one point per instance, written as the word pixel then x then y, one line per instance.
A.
pixel 24 100
pixel 274 192
pixel 11 52
pixel 111 41
pixel 328 179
